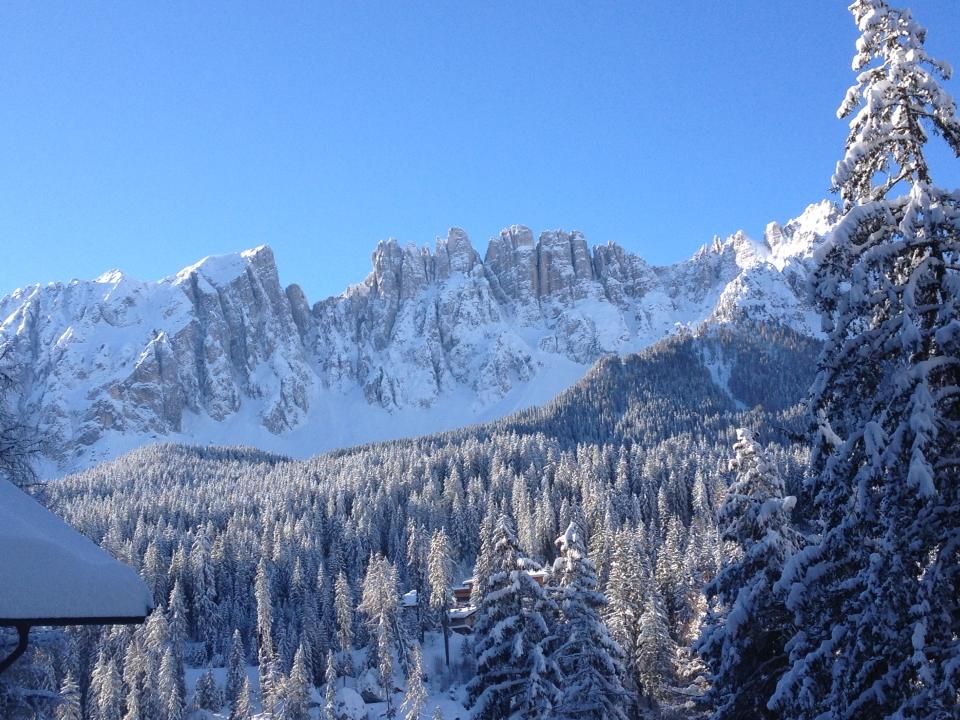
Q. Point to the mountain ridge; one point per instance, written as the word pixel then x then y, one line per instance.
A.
pixel 429 340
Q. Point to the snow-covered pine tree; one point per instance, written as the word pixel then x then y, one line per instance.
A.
pixel 630 581
pixel 516 676
pixel 329 711
pixel 108 701
pixel 877 600
pixel 206 695
pixel 236 669
pixel 416 557
pixel 590 660
pixel 241 708
pixel 380 603
pixel 747 625
pixel 169 687
pixel 656 651
pixel 440 578
pixel 296 705
pixel 483 564
pixel 69 706
pixel 177 625
pixel 415 697
pixel 266 655
pixel 343 608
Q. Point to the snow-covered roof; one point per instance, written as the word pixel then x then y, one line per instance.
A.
pixel 409 599
pixel 49 571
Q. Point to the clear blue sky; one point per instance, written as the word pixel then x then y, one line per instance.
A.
pixel 146 135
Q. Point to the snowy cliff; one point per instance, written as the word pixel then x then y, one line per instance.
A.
pixel 431 339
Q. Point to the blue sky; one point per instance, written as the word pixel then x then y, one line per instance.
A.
pixel 144 136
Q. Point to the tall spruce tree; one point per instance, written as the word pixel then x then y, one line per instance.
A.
pixel 656 651
pixel 329 710
pixel 440 579
pixel 877 600
pixel 630 582
pixel 69 706
pixel 514 642
pixel 380 602
pixel 415 698
pixel 590 660
pixel 343 609
pixel 236 669
pixel 747 625
pixel 241 710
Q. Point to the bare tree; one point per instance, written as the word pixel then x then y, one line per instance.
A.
pixel 18 442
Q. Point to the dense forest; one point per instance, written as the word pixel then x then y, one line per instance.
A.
pixel 255 556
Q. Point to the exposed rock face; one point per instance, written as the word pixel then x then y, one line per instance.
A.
pixel 105 365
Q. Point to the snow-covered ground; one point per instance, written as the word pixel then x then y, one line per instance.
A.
pixel 445 687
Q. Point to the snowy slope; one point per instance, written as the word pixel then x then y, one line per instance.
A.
pixel 430 340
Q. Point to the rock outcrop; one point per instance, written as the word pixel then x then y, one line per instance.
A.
pixel 429 340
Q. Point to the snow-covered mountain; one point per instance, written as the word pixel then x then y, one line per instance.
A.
pixel 430 340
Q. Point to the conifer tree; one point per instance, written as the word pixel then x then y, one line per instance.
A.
pixel 240 710
pixel 206 695
pixel 656 650
pixel 236 669
pixel 329 711
pixel 877 599
pixel 516 675
pixel 415 698
pixel 748 625
pixel 483 564
pixel 590 660
pixel 69 706
pixel 266 655
pixel 380 603
pixel 169 687
pixel 627 588
pixel 440 576
pixel 297 689
pixel 343 607
pixel 109 690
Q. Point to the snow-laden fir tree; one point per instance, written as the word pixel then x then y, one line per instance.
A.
pixel 206 694
pixel 415 698
pixel 107 688
pixel 241 710
pixel 630 582
pixel 296 695
pixel 236 669
pixel 440 579
pixel 266 655
pixel 343 609
pixel 656 650
pixel 380 603
pixel 877 600
pixel 590 660
pixel 747 625
pixel 169 687
pixel 69 706
pixel 329 711
pixel 516 676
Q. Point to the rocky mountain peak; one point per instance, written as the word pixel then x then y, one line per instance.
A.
pixel 431 339
pixel 455 254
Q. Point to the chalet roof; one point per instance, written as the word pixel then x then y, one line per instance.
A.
pixel 52 575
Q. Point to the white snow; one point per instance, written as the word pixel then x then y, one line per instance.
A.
pixel 115 364
pixel 49 570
